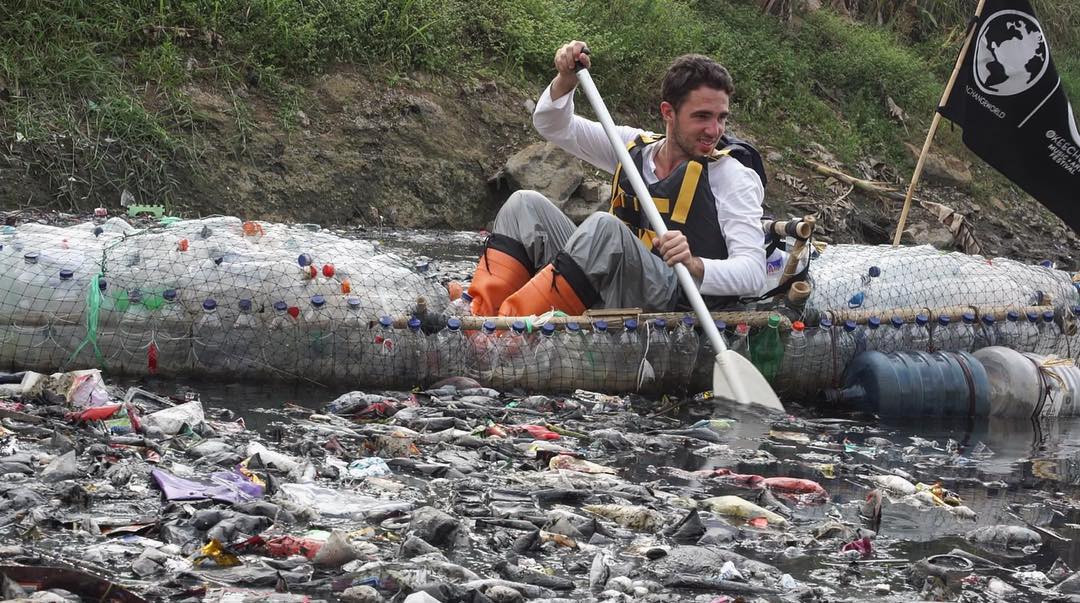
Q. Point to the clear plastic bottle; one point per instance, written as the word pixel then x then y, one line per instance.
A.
pixel 1009 332
pixel 539 376
pixel 244 345
pixel 985 333
pixel 892 338
pixel 316 334
pixel 209 340
pixel 706 357
pixel 824 366
pixel 1049 340
pixel 873 333
pixel 387 364
pixel 965 332
pixel 943 336
pixel 846 344
pixel 415 350
pixel 599 357
pixel 570 368
pixel 453 350
pixel 741 343
pixel 280 351
pixel 657 355
pixel 1029 332
pixel 513 367
pixel 917 334
pixel 793 367
pixel 134 334
pixel 628 357
pixel 461 306
pixel 485 353
pixel 685 345
pixel 171 326
pixel 350 337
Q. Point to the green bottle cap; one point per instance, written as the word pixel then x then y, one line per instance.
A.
pixel 774 321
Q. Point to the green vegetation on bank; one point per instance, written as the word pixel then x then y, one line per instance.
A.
pixel 99 90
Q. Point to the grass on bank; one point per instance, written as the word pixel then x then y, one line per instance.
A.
pixel 98 88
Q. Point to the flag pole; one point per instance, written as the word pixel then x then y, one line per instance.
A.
pixel 933 129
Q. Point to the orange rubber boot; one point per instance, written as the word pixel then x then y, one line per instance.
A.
pixel 551 289
pixel 499 273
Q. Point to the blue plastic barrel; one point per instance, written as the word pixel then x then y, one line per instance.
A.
pixel 915 384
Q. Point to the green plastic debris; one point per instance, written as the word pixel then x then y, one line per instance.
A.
pixel 135 210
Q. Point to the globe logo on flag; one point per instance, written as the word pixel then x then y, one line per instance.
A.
pixel 1011 54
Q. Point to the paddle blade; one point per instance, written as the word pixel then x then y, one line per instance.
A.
pixel 736 378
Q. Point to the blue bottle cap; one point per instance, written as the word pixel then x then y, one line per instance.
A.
pixel 600 325
pixel 135 296
pixel 317 301
pixel 1048 316
pixel 968 317
pixel 245 305
pixel 489 326
pixel 630 324
pixel 1032 316
pixel 354 302
pixel 943 320
pixel 720 325
pixel 856 300
pixel 453 324
pixel 574 327
pixel 825 323
pixel 874 272
pixel 873 322
pixel 1012 315
pixel 659 323
pixel 280 306
pixel 896 322
pixel 988 319
pixel 31 257
pixel 1076 309
pixel 66 274
pixel 209 304
pixel 688 321
pixel 465 296
pixel 1047 263
pixel 98 231
pixel 303 259
pixel 849 325
pixel 921 319
pixel 548 329
pixel 414 324
pixel 169 294
pixel 386 321
pixel 518 326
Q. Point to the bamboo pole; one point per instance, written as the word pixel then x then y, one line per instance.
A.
pixel 933 130
pixel 807 227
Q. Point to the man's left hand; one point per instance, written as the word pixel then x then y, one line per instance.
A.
pixel 675 249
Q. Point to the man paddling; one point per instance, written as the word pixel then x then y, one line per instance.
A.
pixel 535 260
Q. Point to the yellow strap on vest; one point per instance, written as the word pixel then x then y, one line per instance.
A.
pixel 686 192
pixel 647 237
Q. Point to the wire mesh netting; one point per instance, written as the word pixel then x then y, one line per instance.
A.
pixel 233 299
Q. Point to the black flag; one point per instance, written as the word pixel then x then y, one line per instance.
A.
pixel 1009 101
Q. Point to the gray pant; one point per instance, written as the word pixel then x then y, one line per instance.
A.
pixel 619 267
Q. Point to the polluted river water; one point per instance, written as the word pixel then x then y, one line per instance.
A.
pixel 461 493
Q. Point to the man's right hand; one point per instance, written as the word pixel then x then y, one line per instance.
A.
pixel 566 59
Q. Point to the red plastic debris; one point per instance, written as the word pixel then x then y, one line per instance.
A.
pixel 328 270
pixel 862 546
pixel 538 432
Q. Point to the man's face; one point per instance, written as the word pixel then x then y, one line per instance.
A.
pixel 699 122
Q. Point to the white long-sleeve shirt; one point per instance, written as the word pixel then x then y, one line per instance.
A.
pixel 736 188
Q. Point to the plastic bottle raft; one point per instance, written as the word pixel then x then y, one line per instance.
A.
pixel 234 299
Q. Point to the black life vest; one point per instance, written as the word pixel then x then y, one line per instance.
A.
pixel 684 200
